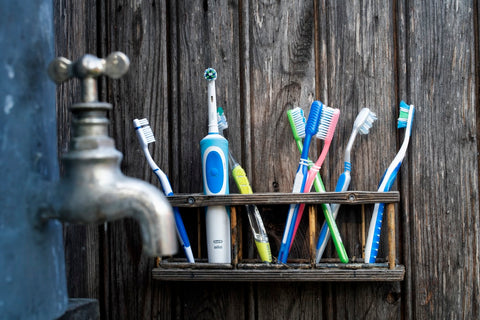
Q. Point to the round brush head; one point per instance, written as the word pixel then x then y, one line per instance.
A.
pixel 210 74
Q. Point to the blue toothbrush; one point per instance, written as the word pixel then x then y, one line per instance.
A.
pixel 311 129
pixel 405 120
pixel 145 136
pixel 214 149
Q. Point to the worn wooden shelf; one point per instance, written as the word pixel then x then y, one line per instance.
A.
pixel 348 197
pixel 304 270
pixel 258 272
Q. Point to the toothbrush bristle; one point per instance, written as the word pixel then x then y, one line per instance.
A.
pixel 221 120
pixel 210 74
pixel 297 121
pixel 403 115
pixel 328 121
pixel 142 122
pixel 148 133
pixel 367 124
pixel 143 127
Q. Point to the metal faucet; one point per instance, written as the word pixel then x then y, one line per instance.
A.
pixel 93 189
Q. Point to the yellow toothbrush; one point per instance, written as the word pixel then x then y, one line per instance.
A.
pixel 240 177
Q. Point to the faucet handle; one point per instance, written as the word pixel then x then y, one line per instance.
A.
pixel 87 68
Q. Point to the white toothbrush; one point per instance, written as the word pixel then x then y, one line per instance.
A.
pixel 145 136
pixel 363 123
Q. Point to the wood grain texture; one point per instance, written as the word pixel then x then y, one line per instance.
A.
pixel 357 70
pixel 442 165
pixel 191 200
pixel 262 273
pixel 272 56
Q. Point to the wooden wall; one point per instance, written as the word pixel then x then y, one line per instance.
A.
pixel 271 56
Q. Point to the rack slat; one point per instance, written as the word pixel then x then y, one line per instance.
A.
pixel 352 198
pixel 350 272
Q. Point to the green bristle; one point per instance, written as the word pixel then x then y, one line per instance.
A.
pixel 403 116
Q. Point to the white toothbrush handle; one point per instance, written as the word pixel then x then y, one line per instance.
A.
pixel 218 235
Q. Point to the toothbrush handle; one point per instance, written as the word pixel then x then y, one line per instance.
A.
pixel 373 240
pixel 318 183
pixel 327 212
pixel 214 149
pixel 298 185
pixel 311 177
pixel 240 177
pixel 337 240
pixel 254 217
pixel 181 231
pixel 374 231
pixel 342 185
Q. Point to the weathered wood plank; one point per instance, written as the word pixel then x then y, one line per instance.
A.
pixel 442 164
pixel 325 274
pixel 202 34
pixel 211 300
pixel 348 197
pixel 139 29
pixel 357 69
pixel 281 75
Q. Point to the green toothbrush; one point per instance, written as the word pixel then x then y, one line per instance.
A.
pixel 297 123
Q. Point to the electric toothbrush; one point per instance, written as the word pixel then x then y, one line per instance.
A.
pixel 214 149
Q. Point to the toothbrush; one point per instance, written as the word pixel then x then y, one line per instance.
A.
pixel 405 120
pixel 299 182
pixel 214 149
pixel 145 136
pixel 297 123
pixel 363 123
pixel 296 119
pixel 326 130
pixel 240 177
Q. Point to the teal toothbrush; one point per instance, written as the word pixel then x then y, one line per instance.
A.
pixel 405 120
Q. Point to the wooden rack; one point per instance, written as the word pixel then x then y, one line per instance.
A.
pixel 327 270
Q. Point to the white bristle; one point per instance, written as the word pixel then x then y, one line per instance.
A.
pixel 222 122
pixel 299 121
pixel 325 120
pixel 367 124
pixel 147 132
pixel 144 131
pixel 142 122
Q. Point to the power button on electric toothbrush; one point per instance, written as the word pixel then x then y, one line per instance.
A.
pixel 213 172
pixel 215 175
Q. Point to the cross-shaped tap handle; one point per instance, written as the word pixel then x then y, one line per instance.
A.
pixel 87 69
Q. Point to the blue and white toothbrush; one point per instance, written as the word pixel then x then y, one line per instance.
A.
pixel 405 120
pixel 311 129
pixel 363 123
pixel 214 149
pixel 145 136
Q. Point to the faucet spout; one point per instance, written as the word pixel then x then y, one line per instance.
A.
pixel 92 201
